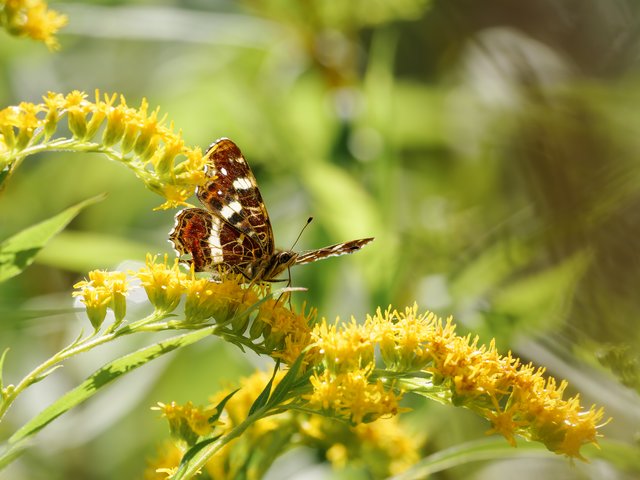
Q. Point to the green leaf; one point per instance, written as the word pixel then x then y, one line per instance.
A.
pixel 191 453
pixel 19 251
pixel 214 418
pixel 102 377
pixel 286 384
pixel 10 454
pixel 263 398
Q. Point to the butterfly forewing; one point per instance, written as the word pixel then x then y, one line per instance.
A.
pixel 233 195
pixel 234 231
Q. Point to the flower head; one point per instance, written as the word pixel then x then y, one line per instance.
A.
pixel 354 395
pixel 163 283
pixel 187 422
pixel 220 300
pixel 31 18
pixel 284 331
pixel 103 290
pixel 517 399
pixel 425 356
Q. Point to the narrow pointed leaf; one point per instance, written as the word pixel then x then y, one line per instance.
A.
pixel 214 418
pixel 285 385
pixel 263 398
pixel 19 251
pixel 105 375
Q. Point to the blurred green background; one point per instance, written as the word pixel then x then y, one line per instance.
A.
pixel 492 148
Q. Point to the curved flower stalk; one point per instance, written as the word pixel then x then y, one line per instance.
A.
pixel 32 18
pixel 422 354
pixel 136 137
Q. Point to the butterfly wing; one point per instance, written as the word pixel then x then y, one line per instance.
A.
pixel 232 195
pixel 190 235
pixel 331 251
pixel 211 242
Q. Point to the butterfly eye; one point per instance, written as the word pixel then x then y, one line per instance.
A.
pixel 285 257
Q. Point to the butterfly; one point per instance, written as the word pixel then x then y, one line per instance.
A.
pixel 233 231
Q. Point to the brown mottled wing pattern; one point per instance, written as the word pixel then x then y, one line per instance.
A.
pixel 331 251
pixel 234 198
pixel 191 234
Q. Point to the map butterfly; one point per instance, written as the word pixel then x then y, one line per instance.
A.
pixel 233 231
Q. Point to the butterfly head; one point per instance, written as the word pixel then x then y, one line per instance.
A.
pixel 278 263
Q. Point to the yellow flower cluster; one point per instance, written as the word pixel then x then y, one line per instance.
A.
pixel 287 332
pixel 425 356
pixel 103 290
pixel 380 444
pixel 272 328
pixel 31 18
pixel 235 412
pixel 385 446
pixel 134 136
pixel 345 386
pixel 416 353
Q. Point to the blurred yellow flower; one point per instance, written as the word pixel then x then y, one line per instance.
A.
pixel 31 18
pixel 187 422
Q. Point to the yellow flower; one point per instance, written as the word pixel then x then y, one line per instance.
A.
pixel 32 19
pixel 165 463
pixel 226 464
pixel 353 395
pixel 220 300
pixel 347 347
pixel 479 378
pixel 164 284
pixel 285 332
pixel 187 422
pixel 102 290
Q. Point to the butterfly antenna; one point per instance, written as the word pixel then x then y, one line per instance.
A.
pixel 309 220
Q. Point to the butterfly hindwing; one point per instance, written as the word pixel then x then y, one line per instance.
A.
pixel 191 236
pixel 211 242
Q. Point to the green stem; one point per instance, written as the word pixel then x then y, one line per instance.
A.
pixel 11 393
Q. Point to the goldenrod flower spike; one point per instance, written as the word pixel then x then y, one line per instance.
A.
pixel 139 139
pixel 31 18
pixel 422 354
